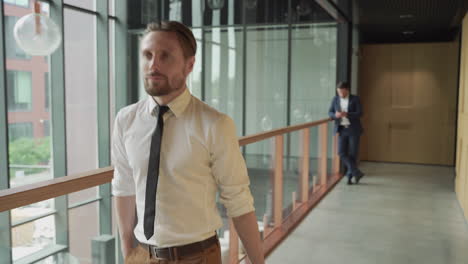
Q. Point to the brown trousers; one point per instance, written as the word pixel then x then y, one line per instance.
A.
pixel 141 255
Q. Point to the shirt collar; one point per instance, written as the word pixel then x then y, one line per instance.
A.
pixel 177 106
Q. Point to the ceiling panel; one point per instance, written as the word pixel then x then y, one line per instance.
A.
pixel 394 21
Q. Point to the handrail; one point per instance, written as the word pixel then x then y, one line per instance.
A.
pixel 280 131
pixel 32 193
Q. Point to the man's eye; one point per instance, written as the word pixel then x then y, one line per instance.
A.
pixel 147 55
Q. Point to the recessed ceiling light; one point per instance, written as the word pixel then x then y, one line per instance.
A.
pixel 406 16
pixel 408 32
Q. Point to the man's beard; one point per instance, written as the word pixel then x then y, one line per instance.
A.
pixel 163 87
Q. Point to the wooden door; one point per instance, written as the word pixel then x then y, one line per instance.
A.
pixel 409 95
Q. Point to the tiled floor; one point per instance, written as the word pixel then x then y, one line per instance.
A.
pixel 399 214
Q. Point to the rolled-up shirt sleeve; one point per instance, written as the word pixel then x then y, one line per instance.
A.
pixel 123 183
pixel 229 169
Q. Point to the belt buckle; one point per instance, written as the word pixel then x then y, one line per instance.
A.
pixel 172 252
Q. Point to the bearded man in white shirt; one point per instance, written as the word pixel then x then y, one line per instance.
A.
pixel 172 154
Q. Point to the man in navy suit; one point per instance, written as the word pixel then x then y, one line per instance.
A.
pixel 346 110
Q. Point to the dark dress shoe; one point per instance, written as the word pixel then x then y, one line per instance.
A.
pixel 350 182
pixel 358 177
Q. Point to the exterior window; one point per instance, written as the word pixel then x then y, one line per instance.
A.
pixel 19 90
pixel 12 50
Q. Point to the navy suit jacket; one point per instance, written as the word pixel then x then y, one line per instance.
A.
pixel 354 113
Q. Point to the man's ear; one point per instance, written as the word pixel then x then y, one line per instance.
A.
pixel 190 64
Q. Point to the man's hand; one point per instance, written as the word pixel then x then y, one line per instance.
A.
pixel 341 114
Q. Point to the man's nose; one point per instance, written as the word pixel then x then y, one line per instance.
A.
pixel 154 64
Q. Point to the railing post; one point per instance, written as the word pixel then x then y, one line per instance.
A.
pixel 266 226
pixel 233 244
pixel 323 144
pixel 103 249
pixel 278 182
pixel 294 200
pixel 304 176
pixel 336 157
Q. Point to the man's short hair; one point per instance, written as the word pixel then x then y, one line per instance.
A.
pixel 184 35
pixel 343 85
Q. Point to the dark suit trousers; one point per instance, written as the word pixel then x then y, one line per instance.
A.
pixel 348 149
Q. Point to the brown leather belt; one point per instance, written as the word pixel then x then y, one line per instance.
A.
pixel 177 252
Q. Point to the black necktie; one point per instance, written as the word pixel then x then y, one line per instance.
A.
pixel 153 173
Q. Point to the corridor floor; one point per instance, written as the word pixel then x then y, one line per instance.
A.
pixel 398 214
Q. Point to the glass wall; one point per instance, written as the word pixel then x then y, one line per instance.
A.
pixel 29 144
pixel 52 127
pixel 223 71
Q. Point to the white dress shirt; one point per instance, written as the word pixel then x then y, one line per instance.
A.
pixel 199 155
pixel 344 103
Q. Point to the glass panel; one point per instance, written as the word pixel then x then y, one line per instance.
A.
pixel 313 71
pixel 222 12
pixel 308 11
pixel 83 227
pixel 32 210
pixel 81 105
pixel 260 165
pixel 313 80
pixel 32 237
pixel 266 11
pixel 19 90
pixel 192 13
pixel 291 171
pixel 20 131
pixel 112 7
pixel 194 80
pixel 59 258
pixel 28 117
pixel 175 10
pixel 267 65
pixel 80 196
pixel 20 3
pixel 12 50
pixel 223 71
pixel 87 4
pixel 266 80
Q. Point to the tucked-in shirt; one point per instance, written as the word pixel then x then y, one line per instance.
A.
pixel 344 103
pixel 200 158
